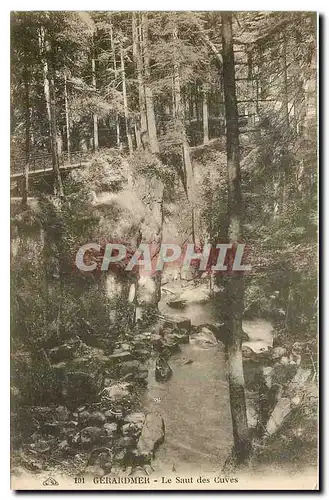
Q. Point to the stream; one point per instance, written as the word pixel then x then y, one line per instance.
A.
pixel 195 401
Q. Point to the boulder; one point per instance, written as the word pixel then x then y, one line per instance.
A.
pixel 135 418
pixel 97 341
pixel 143 335
pixel 115 392
pixel 84 417
pixel 170 342
pixel 181 336
pixel 68 430
pixel 138 344
pixel 61 414
pixel 96 418
pixel 63 446
pixel 219 330
pixel 63 352
pixel 125 347
pixel 141 340
pixel 293 396
pixel 42 446
pixel 112 415
pixel 143 354
pixel 278 352
pixel 135 369
pixel 120 355
pixel 156 339
pixel 120 457
pixel 142 375
pixel 176 303
pixel 204 338
pixel 180 322
pixel 258 347
pixel 208 334
pixel 91 436
pixel 163 371
pixel 132 430
pixel 126 442
pixel 111 428
pixel 102 457
pixel 152 435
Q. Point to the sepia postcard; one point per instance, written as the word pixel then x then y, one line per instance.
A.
pixel 164 250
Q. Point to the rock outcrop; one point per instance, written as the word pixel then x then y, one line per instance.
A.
pixel 152 435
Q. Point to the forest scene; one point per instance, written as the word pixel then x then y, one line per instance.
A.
pixel 152 128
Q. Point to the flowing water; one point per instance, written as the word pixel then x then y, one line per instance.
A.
pixel 195 401
pixel 196 411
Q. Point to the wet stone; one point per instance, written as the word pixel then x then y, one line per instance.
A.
pixel 131 429
pixel 92 435
pixel 113 415
pixel 135 418
pixel 126 442
pixel 62 413
pixel 97 418
pixel 111 428
pixel 115 392
pixel 84 416
pixel 121 355
pixel 152 434
pixel 163 371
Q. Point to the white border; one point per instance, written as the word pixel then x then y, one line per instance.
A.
pixel 321 7
pixel 168 5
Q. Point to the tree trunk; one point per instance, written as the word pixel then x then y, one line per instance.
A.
pixel 205 114
pixel 190 103
pixel 151 127
pixel 284 175
pixel 50 98
pixel 173 99
pixel 157 211
pixel 125 102
pixel 137 135
pixel 139 67
pixel 117 123
pixel 55 156
pixel 235 284
pixel 27 137
pixel 188 175
pixel 67 120
pixel 95 117
pixel 250 90
pixel 196 103
pixel 285 83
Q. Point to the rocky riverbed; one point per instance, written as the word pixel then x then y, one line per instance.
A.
pixel 157 401
pixel 94 420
